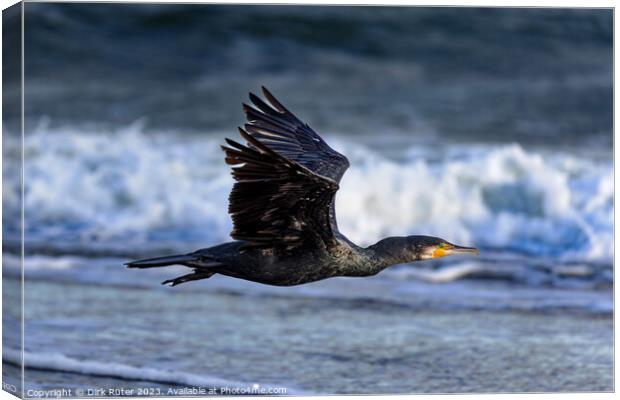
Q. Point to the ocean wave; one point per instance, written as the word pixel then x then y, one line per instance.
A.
pixel 460 72
pixel 60 362
pixel 134 188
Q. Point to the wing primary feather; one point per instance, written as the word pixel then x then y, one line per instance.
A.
pixel 273 101
pixel 254 115
pixel 264 107
pixel 286 179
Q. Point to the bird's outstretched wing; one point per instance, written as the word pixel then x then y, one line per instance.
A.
pixel 286 179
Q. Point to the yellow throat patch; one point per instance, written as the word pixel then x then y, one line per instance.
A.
pixel 439 252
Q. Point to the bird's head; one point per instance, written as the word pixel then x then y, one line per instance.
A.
pixel 415 248
pixel 428 247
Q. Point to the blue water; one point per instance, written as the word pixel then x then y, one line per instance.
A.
pixel 487 127
pixel 540 76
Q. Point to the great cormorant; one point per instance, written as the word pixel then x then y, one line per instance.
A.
pixel 282 207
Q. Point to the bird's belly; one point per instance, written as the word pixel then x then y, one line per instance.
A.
pixel 288 271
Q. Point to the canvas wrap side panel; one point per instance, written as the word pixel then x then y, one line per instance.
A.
pixel 12 222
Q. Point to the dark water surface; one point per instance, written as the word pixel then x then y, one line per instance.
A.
pixel 541 76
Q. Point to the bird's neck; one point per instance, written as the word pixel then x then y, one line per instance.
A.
pixel 390 251
pixel 373 259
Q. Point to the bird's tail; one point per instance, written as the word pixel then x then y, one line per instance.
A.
pixel 181 259
pixel 200 263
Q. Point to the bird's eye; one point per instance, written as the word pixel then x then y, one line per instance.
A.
pixel 441 245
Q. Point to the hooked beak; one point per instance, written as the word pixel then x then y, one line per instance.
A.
pixel 464 250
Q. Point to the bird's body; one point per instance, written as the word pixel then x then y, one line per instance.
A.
pixel 283 211
pixel 273 266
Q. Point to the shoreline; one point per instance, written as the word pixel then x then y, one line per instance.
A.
pixel 305 340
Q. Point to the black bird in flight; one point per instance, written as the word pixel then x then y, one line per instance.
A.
pixel 283 211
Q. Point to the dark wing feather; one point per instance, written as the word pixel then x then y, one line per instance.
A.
pixel 286 179
pixel 276 127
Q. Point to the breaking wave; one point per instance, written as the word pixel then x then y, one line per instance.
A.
pixel 130 187
pixel 60 362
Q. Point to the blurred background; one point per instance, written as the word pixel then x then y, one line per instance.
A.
pixel 487 127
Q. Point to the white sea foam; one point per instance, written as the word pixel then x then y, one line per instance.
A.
pixel 129 185
pixel 60 362
pixel 503 197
